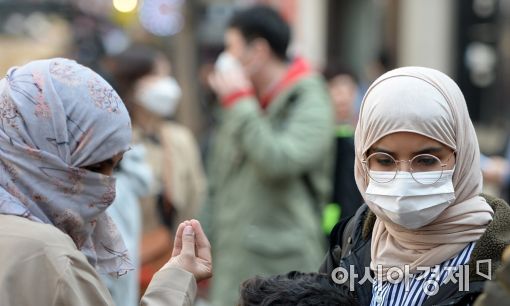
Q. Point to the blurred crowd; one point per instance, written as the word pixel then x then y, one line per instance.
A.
pixel 271 197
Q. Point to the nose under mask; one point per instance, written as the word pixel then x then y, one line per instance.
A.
pixel 408 203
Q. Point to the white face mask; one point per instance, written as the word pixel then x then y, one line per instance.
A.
pixel 160 97
pixel 227 62
pixel 408 203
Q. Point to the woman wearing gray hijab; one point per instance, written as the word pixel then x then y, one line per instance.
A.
pixel 426 235
pixel 62 131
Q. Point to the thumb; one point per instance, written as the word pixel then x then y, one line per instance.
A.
pixel 188 241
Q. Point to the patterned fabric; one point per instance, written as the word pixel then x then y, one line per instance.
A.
pixel 421 285
pixel 57 117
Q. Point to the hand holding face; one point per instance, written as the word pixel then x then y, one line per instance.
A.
pixel 226 83
pixel 192 251
pixel 229 77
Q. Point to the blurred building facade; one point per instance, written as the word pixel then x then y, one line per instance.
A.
pixel 467 39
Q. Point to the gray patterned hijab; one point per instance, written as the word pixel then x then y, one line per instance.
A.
pixel 57 117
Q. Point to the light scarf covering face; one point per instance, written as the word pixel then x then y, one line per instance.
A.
pixel 56 117
pixel 427 102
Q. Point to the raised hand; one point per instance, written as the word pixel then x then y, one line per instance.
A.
pixel 192 250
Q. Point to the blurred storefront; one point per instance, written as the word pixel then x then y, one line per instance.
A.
pixel 467 39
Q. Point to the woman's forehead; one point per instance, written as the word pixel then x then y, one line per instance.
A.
pixel 408 142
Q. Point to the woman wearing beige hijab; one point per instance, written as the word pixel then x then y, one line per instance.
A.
pixel 426 235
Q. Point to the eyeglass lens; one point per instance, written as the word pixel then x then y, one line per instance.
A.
pixel 420 163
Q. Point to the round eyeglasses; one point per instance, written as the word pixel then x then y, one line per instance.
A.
pixel 381 161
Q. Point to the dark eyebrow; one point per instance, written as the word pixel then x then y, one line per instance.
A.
pixel 379 150
pixel 429 150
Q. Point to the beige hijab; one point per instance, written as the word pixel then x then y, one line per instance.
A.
pixel 427 102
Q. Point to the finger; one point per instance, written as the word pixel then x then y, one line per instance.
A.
pixel 202 243
pixel 236 75
pixel 212 79
pixel 219 82
pixel 238 80
pixel 188 241
pixel 233 78
pixel 178 240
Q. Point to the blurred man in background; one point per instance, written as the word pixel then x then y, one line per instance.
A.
pixel 345 197
pixel 268 169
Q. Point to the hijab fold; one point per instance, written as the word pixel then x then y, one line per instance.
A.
pixel 427 102
pixel 57 117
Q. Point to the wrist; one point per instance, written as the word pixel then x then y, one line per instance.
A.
pixel 233 97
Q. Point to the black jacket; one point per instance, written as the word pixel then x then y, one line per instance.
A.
pixel 350 243
pixel 345 192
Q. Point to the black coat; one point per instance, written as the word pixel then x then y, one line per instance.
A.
pixel 350 243
pixel 345 191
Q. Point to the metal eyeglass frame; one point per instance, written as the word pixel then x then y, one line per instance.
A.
pixel 410 161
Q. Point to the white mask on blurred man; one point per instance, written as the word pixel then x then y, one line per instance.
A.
pixel 160 97
pixel 227 62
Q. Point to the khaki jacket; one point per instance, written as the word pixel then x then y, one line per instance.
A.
pixel 260 208
pixel 40 265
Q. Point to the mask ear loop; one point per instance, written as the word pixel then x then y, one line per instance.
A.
pixel 454 154
pixel 364 165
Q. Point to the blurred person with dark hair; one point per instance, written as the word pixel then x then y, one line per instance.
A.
pixel 345 198
pixel 143 77
pixel 269 163
pixel 496 170
pixel 378 66
pixel 64 130
pixel 294 289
